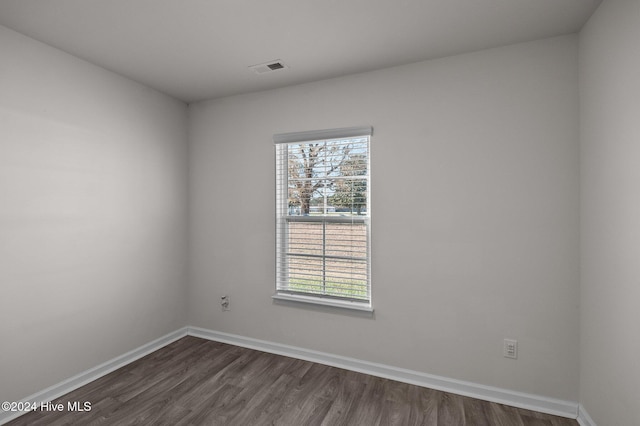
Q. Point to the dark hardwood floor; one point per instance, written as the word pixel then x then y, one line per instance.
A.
pixel 199 382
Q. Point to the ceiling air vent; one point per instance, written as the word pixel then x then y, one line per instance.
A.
pixel 268 67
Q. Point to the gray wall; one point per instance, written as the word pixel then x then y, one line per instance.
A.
pixel 93 199
pixel 475 200
pixel 610 159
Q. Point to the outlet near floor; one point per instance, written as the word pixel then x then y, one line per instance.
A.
pixel 224 303
pixel 510 348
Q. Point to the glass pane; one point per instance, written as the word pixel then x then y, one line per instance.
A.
pixel 345 278
pixel 328 258
pixel 346 240
pixel 305 238
pixel 305 274
pixel 327 178
pixel 346 275
pixel 349 196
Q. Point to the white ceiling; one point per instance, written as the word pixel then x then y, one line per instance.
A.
pixel 201 49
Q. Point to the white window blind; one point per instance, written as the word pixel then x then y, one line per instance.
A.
pixel 323 215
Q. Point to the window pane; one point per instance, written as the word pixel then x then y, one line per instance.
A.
pixel 346 274
pixel 305 274
pixel 349 196
pixel 346 240
pixel 328 258
pixel 305 238
pixel 328 177
pixel 346 278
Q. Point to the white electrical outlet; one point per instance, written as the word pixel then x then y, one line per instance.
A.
pixel 510 348
pixel 224 302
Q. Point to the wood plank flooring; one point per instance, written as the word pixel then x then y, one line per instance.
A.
pixel 198 382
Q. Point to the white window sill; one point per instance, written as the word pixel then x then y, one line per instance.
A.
pixel 334 303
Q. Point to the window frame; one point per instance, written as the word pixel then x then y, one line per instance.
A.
pixel 284 219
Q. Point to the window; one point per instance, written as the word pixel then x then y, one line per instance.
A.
pixel 323 217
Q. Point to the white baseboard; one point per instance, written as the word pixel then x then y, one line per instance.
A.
pixel 583 417
pixel 488 393
pixel 81 379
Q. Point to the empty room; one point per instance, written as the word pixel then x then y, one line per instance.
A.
pixel 299 212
